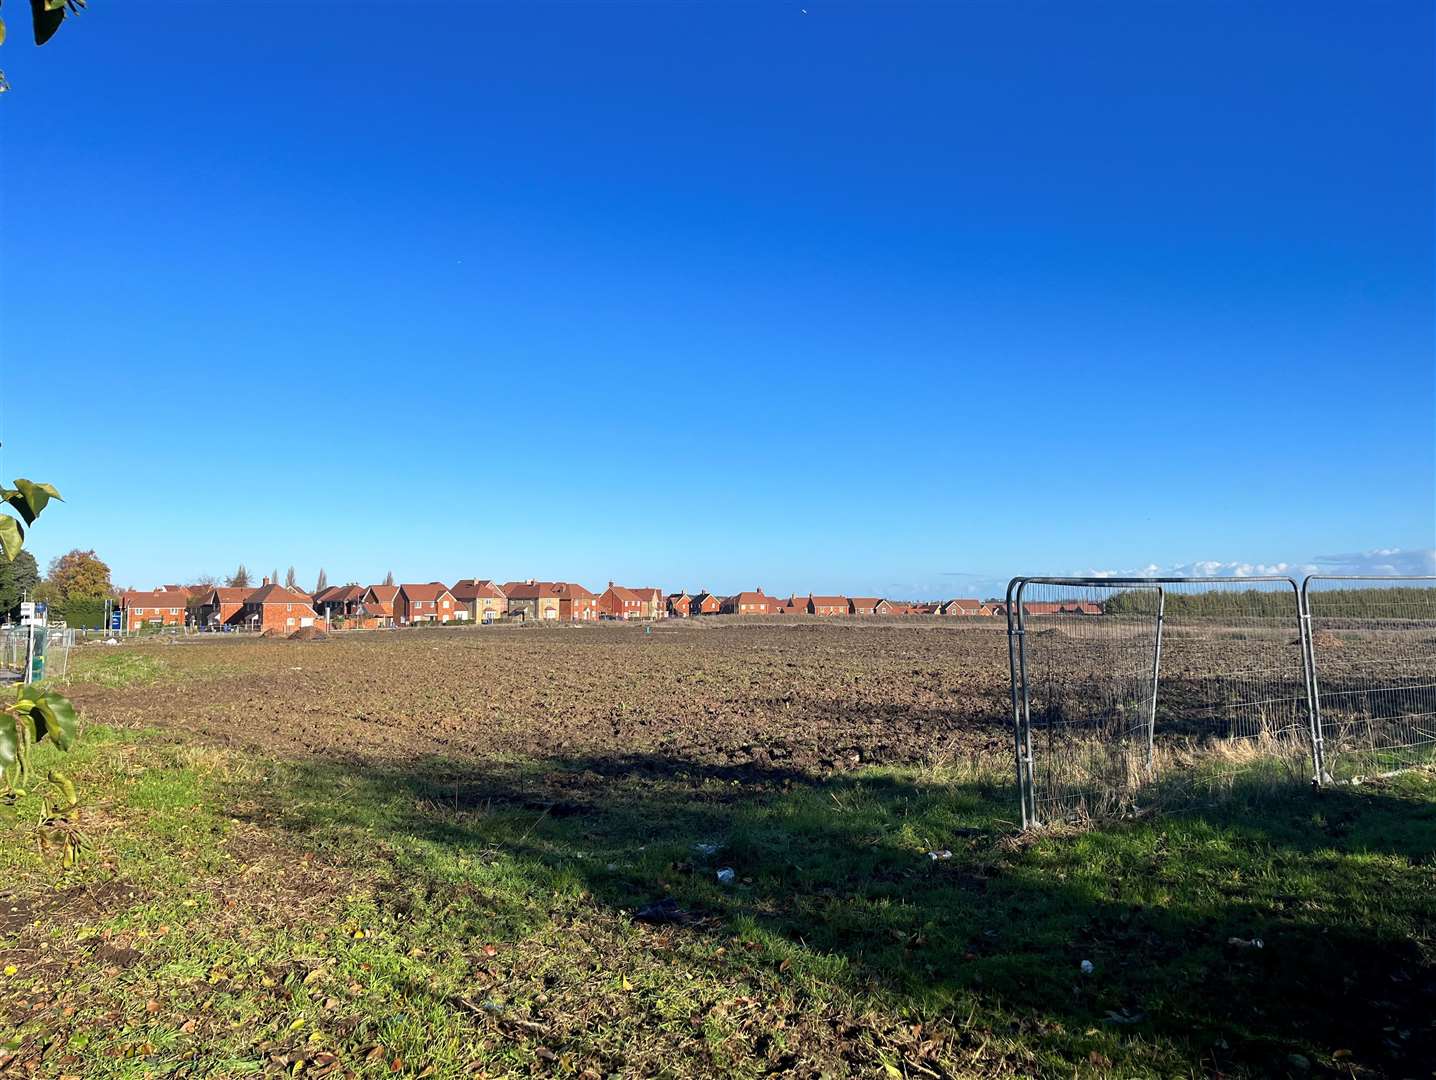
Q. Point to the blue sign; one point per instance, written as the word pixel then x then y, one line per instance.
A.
pixel 115 619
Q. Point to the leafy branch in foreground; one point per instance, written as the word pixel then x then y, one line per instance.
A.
pixel 45 17
pixel 36 714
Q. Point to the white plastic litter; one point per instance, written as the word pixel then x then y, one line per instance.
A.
pixel 1087 967
pixel 726 876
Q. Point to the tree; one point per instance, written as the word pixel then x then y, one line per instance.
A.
pixel 389 578
pixel 322 583
pixel 46 17
pixel 18 578
pixel 79 575
pixel 240 578
pixel 274 576
pixel 291 579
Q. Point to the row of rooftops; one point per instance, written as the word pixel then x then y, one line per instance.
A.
pixel 468 590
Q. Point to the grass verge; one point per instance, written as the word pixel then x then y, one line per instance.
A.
pixel 240 916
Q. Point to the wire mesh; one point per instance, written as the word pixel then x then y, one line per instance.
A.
pixel 1373 657
pixel 1127 692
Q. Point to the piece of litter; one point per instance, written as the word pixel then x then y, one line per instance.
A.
pixel 939 855
pixel 706 849
pixel 1242 943
pixel 661 911
pixel 726 876
pixel 1087 967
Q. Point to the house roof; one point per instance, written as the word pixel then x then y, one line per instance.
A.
pixel 384 594
pixel 828 601
pixel 276 594
pixel 752 598
pixel 476 588
pixel 572 590
pixel 622 593
pixel 153 598
pixel 429 590
pixel 864 601
pixel 228 594
pixel 339 594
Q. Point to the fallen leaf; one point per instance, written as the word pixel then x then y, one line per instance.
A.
pixel 152 1006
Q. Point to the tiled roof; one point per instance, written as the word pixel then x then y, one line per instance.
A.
pixel 385 594
pixel 429 590
pixel 475 588
pixel 276 594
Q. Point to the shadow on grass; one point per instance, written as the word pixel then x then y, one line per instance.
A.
pixel 834 877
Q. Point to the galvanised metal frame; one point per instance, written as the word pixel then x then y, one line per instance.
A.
pixel 1308 638
pixel 1017 665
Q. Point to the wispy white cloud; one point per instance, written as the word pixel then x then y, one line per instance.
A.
pixel 1378 561
pixel 1418 561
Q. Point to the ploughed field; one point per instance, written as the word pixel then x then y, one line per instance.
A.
pixel 718 848
pixel 804 696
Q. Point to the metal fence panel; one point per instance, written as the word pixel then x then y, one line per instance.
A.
pixel 1130 690
pixel 1372 651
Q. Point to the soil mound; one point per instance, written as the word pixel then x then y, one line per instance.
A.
pixel 309 633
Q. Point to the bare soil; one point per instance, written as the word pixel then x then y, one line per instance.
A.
pixel 806 696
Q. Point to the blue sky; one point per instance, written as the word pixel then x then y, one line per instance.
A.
pixel 895 299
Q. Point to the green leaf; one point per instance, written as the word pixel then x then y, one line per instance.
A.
pixel 66 786
pixel 61 722
pixel 12 537
pixel 46 20
pixel 29 498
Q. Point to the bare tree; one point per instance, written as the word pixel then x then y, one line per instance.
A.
pixel 240 578
pixel 389 578
pixel 322 583
pixel 291 579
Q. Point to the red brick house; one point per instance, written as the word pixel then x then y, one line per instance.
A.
pixel 481 598
pixel 160 607
pixel 680 605
pixel 223 605
pixel 575 603
pixel 827 605
pixel 340 602
pixel 273 609
pixel 618 602
pixel 749 603
pixel 430 602
pixel 705 603
pixel 379 603
pixel 863 605
pixel 794 605
pixel 964 606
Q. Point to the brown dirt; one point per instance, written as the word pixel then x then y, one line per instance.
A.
pixel 309 633
pixel 805 696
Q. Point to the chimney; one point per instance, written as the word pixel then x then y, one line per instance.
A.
pixel 610 583
pixel 267 581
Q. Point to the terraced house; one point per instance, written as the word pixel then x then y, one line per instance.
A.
pixel 827 605
pixel 430 602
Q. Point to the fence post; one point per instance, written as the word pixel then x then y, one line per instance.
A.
pixel 1313 693
pixel 1156 677
pixel 1018 727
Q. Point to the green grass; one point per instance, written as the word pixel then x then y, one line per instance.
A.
pixel 115 669
pixel 238 916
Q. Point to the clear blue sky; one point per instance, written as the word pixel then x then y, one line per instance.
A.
pixel 717 295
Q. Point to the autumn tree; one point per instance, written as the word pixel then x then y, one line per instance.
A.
pixel 240 578
pixel 79 575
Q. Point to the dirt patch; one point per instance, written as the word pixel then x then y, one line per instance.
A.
pixel 309 633
pixel 746 700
